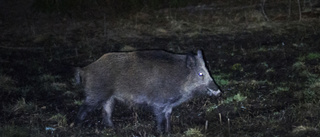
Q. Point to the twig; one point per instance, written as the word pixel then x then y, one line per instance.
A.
pixel 289 9
pixel 220 119
pixel 104 26
pixel 23 48
pixel 206 126
pixel 262 10
pixel 229 127
pixel 299 10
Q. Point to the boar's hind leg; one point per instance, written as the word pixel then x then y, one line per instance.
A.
pixel 161 115
pixel 107 112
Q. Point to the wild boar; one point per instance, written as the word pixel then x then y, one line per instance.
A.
pixel 160 79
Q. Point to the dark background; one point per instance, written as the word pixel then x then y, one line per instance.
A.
pixel 264 55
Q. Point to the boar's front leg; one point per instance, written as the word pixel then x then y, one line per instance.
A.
pixel 167 116
pixel 107 112
pixel 163 114
pixel 158 112
pixel 88 105
pixel 83 112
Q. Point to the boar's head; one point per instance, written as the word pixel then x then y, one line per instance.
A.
pixel 200 79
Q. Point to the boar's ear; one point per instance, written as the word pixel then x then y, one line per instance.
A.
pixel 199 54
pixel 191 61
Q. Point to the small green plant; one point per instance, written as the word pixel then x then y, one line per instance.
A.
pixel 60 119
pixel 193 132
pixel 77 102
pixel 280 90
pixel 222 82
pixel 270 70
pixel 265 64
pixel 299 66
pixel 236 98
pixel 237 67
pixel 70 94
pixel 310 94
pixel 48 78
pixel 221 79
pixel 313 56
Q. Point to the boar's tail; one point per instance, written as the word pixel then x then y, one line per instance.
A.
pixel 77 75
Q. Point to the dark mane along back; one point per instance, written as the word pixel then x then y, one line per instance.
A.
pixel 158 55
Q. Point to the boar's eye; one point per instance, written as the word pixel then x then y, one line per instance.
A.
pixel 200 74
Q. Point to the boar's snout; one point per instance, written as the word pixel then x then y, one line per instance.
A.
pixel 214 90
pixel 216 93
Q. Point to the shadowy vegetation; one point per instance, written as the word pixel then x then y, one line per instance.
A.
pixel 112 7
pixel 269 70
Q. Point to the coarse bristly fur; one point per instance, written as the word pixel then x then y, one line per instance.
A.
pixel 160 79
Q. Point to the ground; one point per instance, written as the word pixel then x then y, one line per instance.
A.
pixel 267 64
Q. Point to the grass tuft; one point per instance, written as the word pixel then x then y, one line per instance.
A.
pixel 193 132
pixel 22 106
pixel 305 131
pixel 299 66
